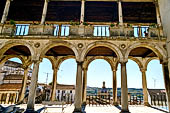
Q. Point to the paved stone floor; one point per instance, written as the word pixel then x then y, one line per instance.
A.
pixel 95 109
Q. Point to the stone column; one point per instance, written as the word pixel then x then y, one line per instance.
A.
pixel 114 87
pixel 78 91
pixel 53 93
pixel 84 85
pixel 6 10
pixel 44 12
pixel 7 98
pixel 33 86
pixel 82 11
pixel 158 14
pixel 120 13
pixel 14 98
pixel 24 84
pixel 124 89
pixel 144 85
pixel 166 81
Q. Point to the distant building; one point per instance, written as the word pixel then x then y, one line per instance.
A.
pixel 11 77
pixel 65 92
pixel 12 68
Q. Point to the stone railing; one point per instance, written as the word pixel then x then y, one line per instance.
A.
pixel 78 31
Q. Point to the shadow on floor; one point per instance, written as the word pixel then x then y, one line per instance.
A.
pixel 118 107
pixel 39 110
pixel 159 109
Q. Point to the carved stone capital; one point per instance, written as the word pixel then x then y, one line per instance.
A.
pixel 143 69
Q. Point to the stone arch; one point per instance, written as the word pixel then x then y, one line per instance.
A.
pixel 149 60
pixel 9 44
pixel 58 60
pixel 109 45
pixel 161 53
pixel 109 60
pixel 63 43
pixel 4 59
pixel 137 61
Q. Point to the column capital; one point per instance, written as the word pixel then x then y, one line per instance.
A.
pixel 36 61
pixel 80 62
pixel 114 69
pixel 123 61
pixel 85 68
pixel 143 69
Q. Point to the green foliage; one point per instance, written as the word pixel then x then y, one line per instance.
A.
pixel 153 25
pixel 112 25
pixel 12 22
pixel 74 22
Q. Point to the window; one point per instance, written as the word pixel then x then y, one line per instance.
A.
pixel 22 29
pixel 101 31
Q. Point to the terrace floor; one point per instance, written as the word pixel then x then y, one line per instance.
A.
pixel 95 109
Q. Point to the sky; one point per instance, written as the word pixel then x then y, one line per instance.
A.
pixel 99 70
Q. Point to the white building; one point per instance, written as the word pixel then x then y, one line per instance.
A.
pixel 65 93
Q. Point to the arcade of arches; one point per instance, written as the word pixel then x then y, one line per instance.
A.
pixel 84 53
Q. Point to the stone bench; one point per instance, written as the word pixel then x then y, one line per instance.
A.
pixel 49 104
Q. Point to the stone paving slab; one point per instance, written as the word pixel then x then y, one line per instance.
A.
pixel 94 109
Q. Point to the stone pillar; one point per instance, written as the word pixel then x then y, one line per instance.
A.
pixel 144 85
pixel 84 85
pixel 124 89
pixel 82 11
pixel 14 98
pixel 33 86
pixel 53 93
pixel 120 13
pixel 44 12
pixel 158 14
pixel 24 84
pixel 78 91
pixel 114 87
pixel 6 10
pixel 7 98
pixel 166 82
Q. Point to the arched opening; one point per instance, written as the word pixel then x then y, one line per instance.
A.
pixel 99 82
pixel 12 79
pixel 101 51
pixel 144 54
pixel 66 81
pixel 134 74
pixel 18 50
pixel 102 77
pixel 154 75
pixel 61 82
pixel 59 51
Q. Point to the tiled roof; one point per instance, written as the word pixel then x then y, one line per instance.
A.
pixel 15 77
pixel 65 87
pixel 10 87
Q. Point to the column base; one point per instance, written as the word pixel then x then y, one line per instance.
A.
pixel 147 104
pixel 115 103
pixel 124 111
pixel 78 111
pixel 30 111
